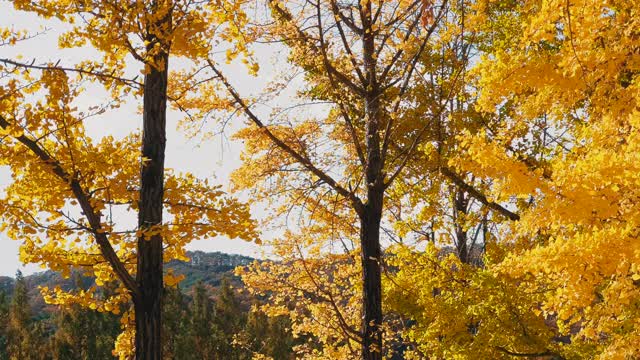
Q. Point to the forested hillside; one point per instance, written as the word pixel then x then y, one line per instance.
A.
pixel 210 316
pixel 207 268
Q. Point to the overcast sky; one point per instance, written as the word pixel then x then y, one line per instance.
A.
pixel 211 158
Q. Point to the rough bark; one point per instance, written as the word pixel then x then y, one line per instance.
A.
pixel 371 280
pixel 371 213
pixel 148 306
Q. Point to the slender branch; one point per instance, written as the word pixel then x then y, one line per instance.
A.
pixel 343 37
pixel 357 203
pixel 110 76
pixel 343 110
pixel 477 194
pixel 302 36
pixel 84 200
pixel 348 21
pixel 352 333
pixel 418 137
pixel 529 355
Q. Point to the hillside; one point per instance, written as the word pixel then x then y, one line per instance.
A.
pixel 208 267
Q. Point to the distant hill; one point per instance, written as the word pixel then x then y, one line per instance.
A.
pixel 208 267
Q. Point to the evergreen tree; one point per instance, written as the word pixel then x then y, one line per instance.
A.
pixel 279 341
pixel 84 334
pixel 4 319
pixel 214 326
pixel 39 341
pixel 204 333
pixel 178 341
pixel 269 336
pixel 18 342
pixel 228 310
pixel 229 321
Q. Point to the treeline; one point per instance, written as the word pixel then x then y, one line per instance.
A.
pixel 206 324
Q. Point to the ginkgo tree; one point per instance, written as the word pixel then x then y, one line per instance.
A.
pixel 67 186
pixel 361 57
pixel 558 98
pixel 562 75
pixel 380 67
pixel 458 310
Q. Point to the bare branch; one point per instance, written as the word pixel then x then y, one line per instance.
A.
pixel 302 36
pixel 357 203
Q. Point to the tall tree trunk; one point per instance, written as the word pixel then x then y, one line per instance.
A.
pixel 370 251
pixel 371 214
pixel 148 306
pixel 371 280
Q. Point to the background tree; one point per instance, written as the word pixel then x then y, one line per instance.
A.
pixel 205 333
pixel 21 343
pixel 4 321
pixel 177 333
pixel 82 333
pixel 76 332
pixel 562 78
pixel 362 58
pixel 229 320
pixel 266 336
pixel 215 324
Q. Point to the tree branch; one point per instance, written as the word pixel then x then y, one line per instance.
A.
pixel 344 79
pixel 343 110
pixel 529 355
pixel 100 75
pixel 357 203
pixel 477 194
pixel 84 200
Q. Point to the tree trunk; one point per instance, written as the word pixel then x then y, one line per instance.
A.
pixel 371 280
pixel 460 207
pixel 371 213
pixel 148 306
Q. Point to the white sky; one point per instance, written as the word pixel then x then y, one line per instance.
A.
pixel 211 158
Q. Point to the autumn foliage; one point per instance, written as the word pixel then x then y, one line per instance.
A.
pixel 434 179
